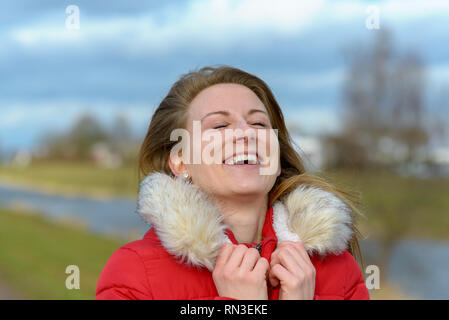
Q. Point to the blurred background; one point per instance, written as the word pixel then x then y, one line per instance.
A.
pixel 364 87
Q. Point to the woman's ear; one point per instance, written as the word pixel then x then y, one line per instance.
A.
pixel 176 165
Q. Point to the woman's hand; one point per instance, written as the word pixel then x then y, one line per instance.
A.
pixel 291 266
pixel 240 273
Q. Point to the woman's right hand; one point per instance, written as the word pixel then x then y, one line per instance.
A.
pixel 241 273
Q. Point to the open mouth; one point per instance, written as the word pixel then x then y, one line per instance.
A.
pixel 242 159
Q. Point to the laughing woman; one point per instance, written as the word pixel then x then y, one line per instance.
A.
pixel 223 230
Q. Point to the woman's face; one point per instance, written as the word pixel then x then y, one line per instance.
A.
pixel 223 109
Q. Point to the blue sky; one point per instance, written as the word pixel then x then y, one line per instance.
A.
pixel 126 55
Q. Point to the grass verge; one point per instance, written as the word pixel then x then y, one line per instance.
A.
pixel 74 179
pixel 35 252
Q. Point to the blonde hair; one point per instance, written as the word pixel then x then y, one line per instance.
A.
pixel 172 114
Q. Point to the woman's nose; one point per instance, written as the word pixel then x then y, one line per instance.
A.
pixel 242 124
pixel 244 132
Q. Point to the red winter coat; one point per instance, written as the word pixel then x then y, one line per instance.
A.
pixel 175 258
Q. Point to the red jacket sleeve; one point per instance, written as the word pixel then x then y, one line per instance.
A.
pixel 355 288
pixel 123 278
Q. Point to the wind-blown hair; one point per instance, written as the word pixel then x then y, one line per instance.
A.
pixel 172 114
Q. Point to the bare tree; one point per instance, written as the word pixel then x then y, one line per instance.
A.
pixel 408 113
pixel 382 101
pixel 365 92
pixel 383 104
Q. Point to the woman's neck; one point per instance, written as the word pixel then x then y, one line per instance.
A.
pixel 245 217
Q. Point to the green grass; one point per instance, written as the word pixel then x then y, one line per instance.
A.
pixel 74 178
pixel 396 206
pixel 34 254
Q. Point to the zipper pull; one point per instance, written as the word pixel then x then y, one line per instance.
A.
pixel 258 247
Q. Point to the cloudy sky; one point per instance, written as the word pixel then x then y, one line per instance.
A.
pixel 126 54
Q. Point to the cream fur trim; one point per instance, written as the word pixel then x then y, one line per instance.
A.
pixel 186 221
pixel 317 218
pixel 190 226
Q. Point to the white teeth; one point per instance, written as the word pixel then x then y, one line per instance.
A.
pixel 240 159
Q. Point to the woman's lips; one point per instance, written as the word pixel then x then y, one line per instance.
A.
pixel 243 166
pixel 247 158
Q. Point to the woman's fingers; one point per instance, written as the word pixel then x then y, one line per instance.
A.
pixel 300 253
pixel 281 274
pixel 249 259
pixel 299 247
pixel 286 259
pixel 235 260
pixel 289 259
pixel 294 252
pixel 297 251
pixel 241 273
pixel 294 258
pixel 274 281
pixel 262 266
pixel 236 256
pixel 274 261
pixel 291 266
pixel 224 254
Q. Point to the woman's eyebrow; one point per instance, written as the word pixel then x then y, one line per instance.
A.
pixel 226 113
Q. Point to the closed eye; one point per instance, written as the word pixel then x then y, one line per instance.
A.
pixel 220 126
pixel 225 125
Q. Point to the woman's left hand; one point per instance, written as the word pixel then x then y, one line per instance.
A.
pixel 291 267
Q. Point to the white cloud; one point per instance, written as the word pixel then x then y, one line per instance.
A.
pixel 284 16
pixel 216 22
pixel 392 10
pixel 414 9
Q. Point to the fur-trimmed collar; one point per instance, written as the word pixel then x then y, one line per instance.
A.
pixel 190 226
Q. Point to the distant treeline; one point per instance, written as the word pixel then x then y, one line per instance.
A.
pixel 89 140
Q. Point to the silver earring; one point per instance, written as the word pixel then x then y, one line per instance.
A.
pixel 186 175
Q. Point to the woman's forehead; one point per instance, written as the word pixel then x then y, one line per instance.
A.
pixel 225 97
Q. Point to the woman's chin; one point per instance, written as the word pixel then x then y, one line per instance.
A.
pixel 247 171
pixel 245 183
pixel 247 190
